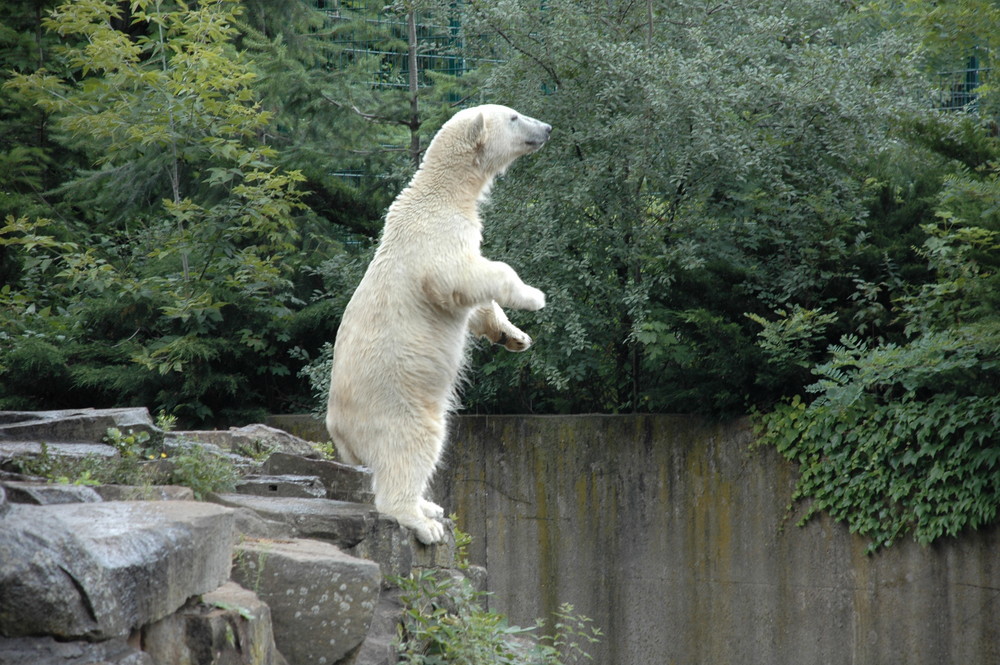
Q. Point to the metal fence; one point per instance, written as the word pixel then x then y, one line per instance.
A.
pixel 959 88
pixel 361 29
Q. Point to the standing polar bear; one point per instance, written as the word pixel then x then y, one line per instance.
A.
pixel 400 347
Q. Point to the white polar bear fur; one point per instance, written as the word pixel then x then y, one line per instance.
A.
pixel 400 347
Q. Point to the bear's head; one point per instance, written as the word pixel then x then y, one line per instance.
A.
pixel 491 136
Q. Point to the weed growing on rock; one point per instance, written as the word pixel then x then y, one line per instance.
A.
pixel 251 565
pixel 138 463
pixel 128 445
pixel 203 471
pixel 445 622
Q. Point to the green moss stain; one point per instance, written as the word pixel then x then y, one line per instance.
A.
pixel 548 581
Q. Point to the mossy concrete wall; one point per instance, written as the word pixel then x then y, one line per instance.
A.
pixel 675 537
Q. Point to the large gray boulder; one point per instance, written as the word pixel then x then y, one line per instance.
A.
pixel 321 599
pixel 229 626
pixel 101 570
pixel 73 425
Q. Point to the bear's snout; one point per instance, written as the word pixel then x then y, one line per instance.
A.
pixel 541 135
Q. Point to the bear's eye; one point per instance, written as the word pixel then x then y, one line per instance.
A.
pixel 513 118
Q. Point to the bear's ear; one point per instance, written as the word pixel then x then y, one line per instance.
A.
pixel 476 130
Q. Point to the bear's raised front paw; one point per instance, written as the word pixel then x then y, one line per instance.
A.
pixel 532 299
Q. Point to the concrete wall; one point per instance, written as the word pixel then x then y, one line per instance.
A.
pixel 674 536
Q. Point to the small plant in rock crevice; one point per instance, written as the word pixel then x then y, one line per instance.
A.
pixel 251 565
pixel 444 622
pixel 137 464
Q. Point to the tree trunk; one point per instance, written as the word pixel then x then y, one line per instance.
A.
pixel 411 24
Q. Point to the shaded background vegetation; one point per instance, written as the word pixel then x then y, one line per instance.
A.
pixel 749 206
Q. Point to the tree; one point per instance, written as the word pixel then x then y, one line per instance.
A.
pixel 183 271
pixel 902 437
pixel 358 89
pixel 708 160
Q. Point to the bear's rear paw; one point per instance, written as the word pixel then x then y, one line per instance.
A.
pixel 514 340
pixel 429 531
pixel 431 509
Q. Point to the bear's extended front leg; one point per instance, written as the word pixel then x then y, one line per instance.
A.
pixel 489 321
pixel 477 282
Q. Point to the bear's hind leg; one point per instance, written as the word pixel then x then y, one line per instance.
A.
pixel 401 479
pixel 410 513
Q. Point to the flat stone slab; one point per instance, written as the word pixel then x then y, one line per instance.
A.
pixel 12 449
pixel 356 528
pixel 73 425
pixel 255 440
pixel 145 492
pixel 342 523
pixel 321 599
pixel 100 570
pixel 44 494
pixel 343 482
pixel 304 487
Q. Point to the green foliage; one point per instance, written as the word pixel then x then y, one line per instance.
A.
pixel 462 542
pixel 139 462
pixel 348 112
pixel 88 470
pixel 930 467
pixel 128 445
pixel 180 297
pixel 203 471
pixel 905 437
pixel 443 622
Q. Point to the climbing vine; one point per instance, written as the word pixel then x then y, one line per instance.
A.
pixel 929 467
pixel 904 438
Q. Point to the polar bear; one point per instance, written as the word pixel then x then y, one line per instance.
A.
pixel 400 347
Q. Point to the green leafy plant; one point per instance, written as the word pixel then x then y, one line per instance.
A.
pixel 166 422
pixel 462 542
pixel 137 464
pixel 128 445
pixel 88 470
pixel 203 471
pixel 84 478
pixel 444 622
pixel 229 607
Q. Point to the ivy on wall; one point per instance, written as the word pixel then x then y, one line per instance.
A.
pixel 904 437
pixel 926 467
